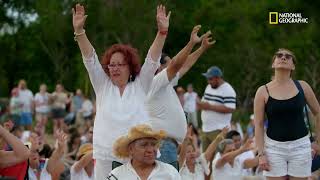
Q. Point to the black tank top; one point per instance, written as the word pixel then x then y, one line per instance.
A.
pixel 286 118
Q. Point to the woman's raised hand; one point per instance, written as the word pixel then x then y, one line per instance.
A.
pixel 162 18
pixel 79 18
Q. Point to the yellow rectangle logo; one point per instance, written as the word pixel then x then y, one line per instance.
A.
pixel 273 17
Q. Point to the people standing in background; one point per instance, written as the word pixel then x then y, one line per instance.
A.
pixel 26 98
pixel 180 92
pixel 190 105
pixel 15 106
pixel 41 100
pixel 87 111
pixel 76 104
pixel 58 107
pixel 217 105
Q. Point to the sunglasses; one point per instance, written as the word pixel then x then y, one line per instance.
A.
pixel 287 56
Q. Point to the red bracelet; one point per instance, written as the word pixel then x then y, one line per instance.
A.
pixel 164 33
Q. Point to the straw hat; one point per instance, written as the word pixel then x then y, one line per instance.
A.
pixel 120 146
pixel 84 149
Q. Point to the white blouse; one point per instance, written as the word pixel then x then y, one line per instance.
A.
pixel 116 114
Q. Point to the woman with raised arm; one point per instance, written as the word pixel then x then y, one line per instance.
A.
pixel 120 85
pixel 192 166
pixel 285 148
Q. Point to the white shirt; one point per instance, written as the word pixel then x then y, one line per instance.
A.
pixel 81 175
pixel 164 107
pixel 26 98
pixel 162 171
pixel 201 168
pixel 43 99
pixel 116 114
pixel 190 100
pixel 227 172
pixel 44 175
pixel 87 108
pixel 223 95
pixel 240 160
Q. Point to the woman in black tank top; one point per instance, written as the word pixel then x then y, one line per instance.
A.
pixel 283 104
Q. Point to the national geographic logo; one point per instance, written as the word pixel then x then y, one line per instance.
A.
pixel 287 18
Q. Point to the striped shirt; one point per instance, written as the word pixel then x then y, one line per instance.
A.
pixel 223 95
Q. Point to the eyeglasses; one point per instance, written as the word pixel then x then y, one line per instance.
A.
pixel 112 66
pixel 287 56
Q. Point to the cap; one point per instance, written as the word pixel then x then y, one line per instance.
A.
pixel 213 71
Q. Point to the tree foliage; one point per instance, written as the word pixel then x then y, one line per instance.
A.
pixel 43 50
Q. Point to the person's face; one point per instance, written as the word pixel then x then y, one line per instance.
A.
pixel 34 159
pixel 59 88
pixel 229 148
pixel 163 66
pixel 214 82
pixel 237 141
pixel 190 89
pixel 283 60
pixel 144 150
pixel 118 68
pixel 43 88
pixel 78 92
pixel 191 154
pixel 22 84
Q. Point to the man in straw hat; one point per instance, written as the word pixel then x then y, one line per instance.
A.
pixel 83 168
pixel 140 147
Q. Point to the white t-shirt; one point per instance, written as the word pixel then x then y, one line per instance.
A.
pixel 116 114
pixel 240 160
pixel 42 99
pixel 201 168
pixel 44 175
pixel 81 175
pixel 223 95
pixel 190 100
pixel 87 108
pixel 164 107
pixel 26 98
pixel 162 171
pixel 227 172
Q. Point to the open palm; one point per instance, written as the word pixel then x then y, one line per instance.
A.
pixel 162 18
pixel 79 18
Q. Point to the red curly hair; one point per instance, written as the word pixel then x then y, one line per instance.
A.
pixel 130 54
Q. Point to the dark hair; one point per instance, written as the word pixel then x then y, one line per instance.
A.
pixel 46 151
pixel 163 58
pixel 232 133
pixel 130 54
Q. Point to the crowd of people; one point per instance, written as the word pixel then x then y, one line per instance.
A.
pixel 142 126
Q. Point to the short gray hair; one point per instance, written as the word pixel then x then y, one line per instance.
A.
pixel 222 145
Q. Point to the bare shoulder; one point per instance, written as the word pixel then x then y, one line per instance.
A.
pixel 305 86
pixel 262 91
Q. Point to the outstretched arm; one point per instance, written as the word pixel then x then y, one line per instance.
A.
pixel 209 152
pixel 163 25
pixel 78 20
pixel 228 157
pixel 180 58
pixel 83 162
pixel 193 58
pixel 20 151
pixel 55 159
